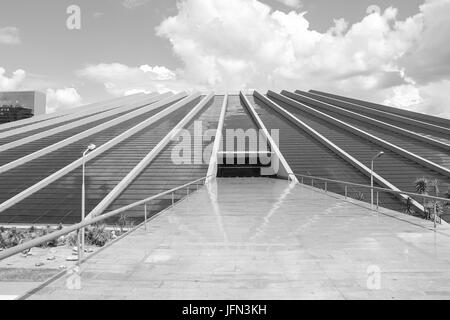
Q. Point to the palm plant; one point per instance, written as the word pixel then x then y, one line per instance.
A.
pixel 422 186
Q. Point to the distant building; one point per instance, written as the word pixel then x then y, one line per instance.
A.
pixel 11 113
pixel 12 104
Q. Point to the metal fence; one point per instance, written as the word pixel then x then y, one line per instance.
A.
pixel 187 189
pixel 323 183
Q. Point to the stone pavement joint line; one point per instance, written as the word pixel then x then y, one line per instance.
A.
pixel 263 238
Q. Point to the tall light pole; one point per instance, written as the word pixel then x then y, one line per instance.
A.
pixel 379 154
pixel 83 194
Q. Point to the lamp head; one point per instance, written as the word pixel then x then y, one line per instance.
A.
pixel 379 154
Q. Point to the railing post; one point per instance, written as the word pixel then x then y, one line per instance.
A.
pixel 145 216
pixel 302 180
pixel 346 191
pixel 326 187
pixel 377 201
pixel 173 199
pixel 79 233
pixel 435 213
pixel 312 182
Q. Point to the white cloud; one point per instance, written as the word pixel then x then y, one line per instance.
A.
pixel 296 4
pixel 119 79
pixel 429 59
pixel 432 98
pixel 57 98
pixel 13 82
pixel 231 45
pixel 62 98
pixel 9 35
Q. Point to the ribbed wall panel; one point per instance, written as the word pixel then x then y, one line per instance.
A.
pixel 237 117
pixel 163 174
pixel 60 202
pixel 18 179
pixel 385 118
pixel 401 112
pixel 17 125
pixel 25 149
pixel 306 155
pixel 45 127
pixel 398 170
pixel 423 149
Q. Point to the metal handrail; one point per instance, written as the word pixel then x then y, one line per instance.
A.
pixel 374 188
pixel 87 222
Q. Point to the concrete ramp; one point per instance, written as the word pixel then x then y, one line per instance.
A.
pixel 268 239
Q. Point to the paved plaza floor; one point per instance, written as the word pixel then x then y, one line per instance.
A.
pixel 267 239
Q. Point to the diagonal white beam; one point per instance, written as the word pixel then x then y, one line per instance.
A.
pixel 84 121
pixel 355 130
pixel 286 170
pixel 407 113
pixel 91 131
pixel 330 145
pixel 414 122
pixel 134 173
pixel 339 107
pixel 56 116
pixel 75 116
pixel 101 149
pixel 212 168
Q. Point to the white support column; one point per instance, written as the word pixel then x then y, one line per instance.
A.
pixel 403 112
pixel 370 137
pixel 334 148
pixel 103 148
pixel 89 132
pixel 285 170
pixel 218 142
pixel 414 122
pixel 134 173
pixel 59 116
pixel 76 117
pixel 84 121
pixel 339 107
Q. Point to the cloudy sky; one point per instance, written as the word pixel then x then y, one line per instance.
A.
pixel 387 51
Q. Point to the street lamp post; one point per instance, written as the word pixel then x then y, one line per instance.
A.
pixel 379 154
pixel 83 194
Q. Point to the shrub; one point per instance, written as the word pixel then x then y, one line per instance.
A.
pixel 97 235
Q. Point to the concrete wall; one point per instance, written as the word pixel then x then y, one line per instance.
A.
pixel 40 102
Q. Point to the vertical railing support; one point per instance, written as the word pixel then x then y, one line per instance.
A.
pixel 173 198
pixel 312 183
pixel 79 234
pixel 377 201
pixel 145 216
pixel 346 191
pixel 435 213
pixel 326 187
